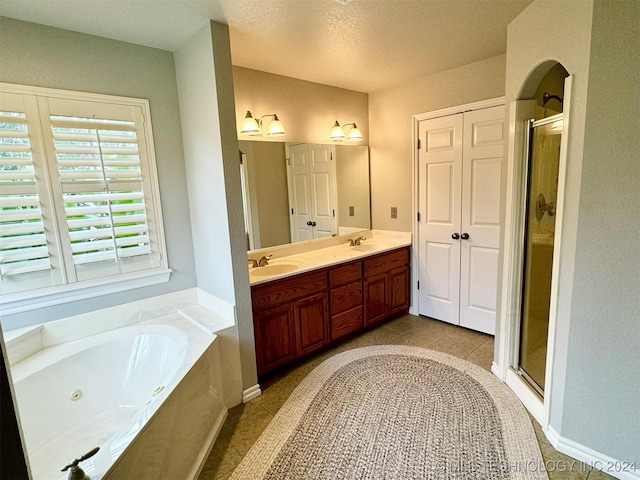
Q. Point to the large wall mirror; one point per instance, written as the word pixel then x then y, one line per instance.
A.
pixel 297 191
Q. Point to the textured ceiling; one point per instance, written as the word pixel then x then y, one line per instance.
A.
pixel 367 45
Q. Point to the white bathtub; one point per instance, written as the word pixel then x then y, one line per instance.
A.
pixel 101 391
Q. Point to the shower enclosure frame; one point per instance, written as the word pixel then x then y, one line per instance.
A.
pixel 506 367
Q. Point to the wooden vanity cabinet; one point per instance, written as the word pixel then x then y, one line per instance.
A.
pixel 386 286
pixel 345 299
pixel 290 318
pixel 300 314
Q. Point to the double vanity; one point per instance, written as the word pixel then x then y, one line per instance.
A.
pixel 311 294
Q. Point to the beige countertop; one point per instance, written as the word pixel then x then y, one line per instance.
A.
pixel 303 257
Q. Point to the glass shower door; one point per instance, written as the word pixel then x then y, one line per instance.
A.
pixel 542 191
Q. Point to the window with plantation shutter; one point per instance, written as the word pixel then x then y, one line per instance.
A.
pixel 78 191
pixel 23 244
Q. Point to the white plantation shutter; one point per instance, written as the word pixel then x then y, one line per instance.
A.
pixel 23 244
pixel 98 163
pixel 82 207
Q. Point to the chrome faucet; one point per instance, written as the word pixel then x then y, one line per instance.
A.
pixel 357 241
pixel 264 260
pixel 75 472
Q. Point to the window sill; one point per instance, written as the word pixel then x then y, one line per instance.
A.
pixel 47 297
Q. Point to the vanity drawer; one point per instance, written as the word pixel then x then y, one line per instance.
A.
pixel 345 274
pixel 281 291
pixel 345 298
pixel 347 322
pixel 385 262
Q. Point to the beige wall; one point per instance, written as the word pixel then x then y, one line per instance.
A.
pixel 390 124
pixel 352 185
pixel 32 54
pixel 205 89
pixel 307 110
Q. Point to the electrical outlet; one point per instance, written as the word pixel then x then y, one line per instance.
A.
pixel 394 212
pixel 351 211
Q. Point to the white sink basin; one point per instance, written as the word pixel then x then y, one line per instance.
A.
pixel 275 269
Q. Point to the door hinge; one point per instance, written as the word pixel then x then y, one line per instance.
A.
pixel 330 155
pixel 418 284
pixel 292 211
pixel 334 212
pixel 418 216
pixel 289 161
pixel 418 144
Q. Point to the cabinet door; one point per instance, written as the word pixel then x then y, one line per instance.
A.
pixel 398 290
pixel 275 337
pixel 375 299
pixel 312 322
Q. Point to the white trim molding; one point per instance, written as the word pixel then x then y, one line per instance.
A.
pixel 593 459
pixel 251 393
pixel 73 292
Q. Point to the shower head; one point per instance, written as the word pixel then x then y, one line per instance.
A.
pixel 546 97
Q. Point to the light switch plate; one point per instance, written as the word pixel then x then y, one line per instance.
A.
pixel 351 211
pixel 394 212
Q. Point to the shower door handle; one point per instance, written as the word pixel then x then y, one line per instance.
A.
pixel 464 236
pixel 455 236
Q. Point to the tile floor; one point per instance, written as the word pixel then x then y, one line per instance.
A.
pixel 246 422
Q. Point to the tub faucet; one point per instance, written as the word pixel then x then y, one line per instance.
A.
pixel 357 241
pixel 76 473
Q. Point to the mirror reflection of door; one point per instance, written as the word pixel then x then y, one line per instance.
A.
pixel 266 198
pixel 311 177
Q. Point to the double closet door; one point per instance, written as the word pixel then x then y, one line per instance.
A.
pixel 459 174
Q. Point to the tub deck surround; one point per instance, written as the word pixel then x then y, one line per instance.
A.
pixel 89 366
pixel 199 306
pixel 289 260
pixel 102 390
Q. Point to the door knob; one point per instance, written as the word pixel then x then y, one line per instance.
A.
pixel 455 236
pixel 309 223
pixel 313 224
pixel 464 236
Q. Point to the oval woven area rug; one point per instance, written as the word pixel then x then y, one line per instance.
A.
pixel 396 412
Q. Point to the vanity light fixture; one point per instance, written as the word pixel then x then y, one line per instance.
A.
pixel 337 132
pixel 251 126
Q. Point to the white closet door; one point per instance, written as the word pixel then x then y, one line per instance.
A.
pixel 440 181
pixel 323 196
pixel 481 187
pixel 300 197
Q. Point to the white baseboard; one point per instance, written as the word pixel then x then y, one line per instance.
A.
pixel 496 370
pixel 251 393
pixel 595 460
pixel 207 446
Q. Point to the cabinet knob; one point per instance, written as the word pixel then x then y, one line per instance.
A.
pixel 455 236
pixel 464 236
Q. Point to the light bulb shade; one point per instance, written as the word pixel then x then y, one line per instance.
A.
pixel 250 125
pixel 337 134
pixel 354 135
pixel 275 127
